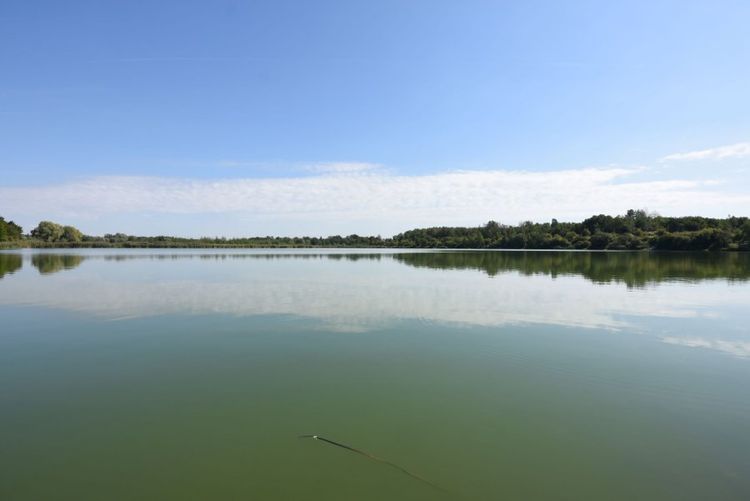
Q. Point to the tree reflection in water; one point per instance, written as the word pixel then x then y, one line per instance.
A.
pixel 9 263
pixel 52 263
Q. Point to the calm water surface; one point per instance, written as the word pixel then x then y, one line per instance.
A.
pixel 156 375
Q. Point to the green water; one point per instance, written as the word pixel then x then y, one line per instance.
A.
pixel 154 375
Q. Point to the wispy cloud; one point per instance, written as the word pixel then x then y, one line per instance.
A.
pixel 737 150
pixel 359 198
pixel 342 167
pixel 310 167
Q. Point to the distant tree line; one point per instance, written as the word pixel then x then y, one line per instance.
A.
pixel 635 230
pixel 123 240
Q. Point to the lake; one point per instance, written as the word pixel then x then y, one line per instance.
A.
pixel 190 374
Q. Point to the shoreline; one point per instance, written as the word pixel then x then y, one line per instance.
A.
pixel 99 245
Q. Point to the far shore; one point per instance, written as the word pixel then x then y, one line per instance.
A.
pixel 636 230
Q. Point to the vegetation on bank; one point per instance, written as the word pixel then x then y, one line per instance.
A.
pixel 10 231
pixel 635 230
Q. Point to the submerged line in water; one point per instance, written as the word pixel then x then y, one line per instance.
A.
pixel 374 458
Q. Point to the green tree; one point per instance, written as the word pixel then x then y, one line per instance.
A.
pixel 600 240
pixel 491 231
pixel 48 231
pixel 53 232
pixel 745 233
pixel 71 234
pixel 9 231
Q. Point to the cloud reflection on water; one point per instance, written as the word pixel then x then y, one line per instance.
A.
pixel 362 292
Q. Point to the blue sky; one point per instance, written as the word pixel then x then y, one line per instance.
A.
pixel 244 118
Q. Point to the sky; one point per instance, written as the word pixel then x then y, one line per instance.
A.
pixel 242 118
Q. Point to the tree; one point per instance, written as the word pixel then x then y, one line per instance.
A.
pixel 639 218
pixel 71 234
pixel 53 232
pixel 746 232
pixel 600 240
pixel 491 230
pixel 9 230
pixel 48 231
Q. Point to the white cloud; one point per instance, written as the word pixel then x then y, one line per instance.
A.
pixel 351 198
pixel 343 167
pixel 738 150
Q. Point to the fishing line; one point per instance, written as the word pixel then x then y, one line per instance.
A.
pixel 374 458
